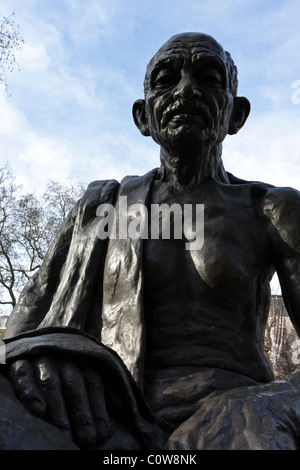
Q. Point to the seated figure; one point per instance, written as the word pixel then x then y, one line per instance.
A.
pixel 152 341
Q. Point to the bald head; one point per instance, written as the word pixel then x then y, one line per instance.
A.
pixel 192 43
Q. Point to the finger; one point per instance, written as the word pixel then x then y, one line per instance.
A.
pixel 95 391
pixel 50 385
pixel 77 404
pixel 22 375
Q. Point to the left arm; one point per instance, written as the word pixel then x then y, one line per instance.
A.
pixel 282 209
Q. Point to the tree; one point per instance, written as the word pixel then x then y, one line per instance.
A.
pixel 59 198
pixel 10 42
pixel 280 337
pixel 8 254
pixel 28 225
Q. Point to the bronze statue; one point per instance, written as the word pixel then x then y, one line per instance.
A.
pixel 138 342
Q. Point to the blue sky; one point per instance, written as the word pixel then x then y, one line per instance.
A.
pixel 82 67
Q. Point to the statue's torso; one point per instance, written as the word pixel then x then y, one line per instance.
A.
pixel 208 307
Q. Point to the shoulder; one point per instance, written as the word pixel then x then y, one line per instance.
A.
pixel 105 190
pixel 257 191
pixel 99 190
pixel 274 200
pixel 281 207
pixel 281 201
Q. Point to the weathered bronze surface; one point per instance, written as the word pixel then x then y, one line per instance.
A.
pixel 141 343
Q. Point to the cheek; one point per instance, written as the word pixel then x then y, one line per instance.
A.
pixel 152 111
pixel 226 115
pixel 221 108
pixel 153 114
pixel 155 111
pixel 157 104
pixel 224 121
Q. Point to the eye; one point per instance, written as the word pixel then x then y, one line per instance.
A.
pixel 210 78
pixel 166 77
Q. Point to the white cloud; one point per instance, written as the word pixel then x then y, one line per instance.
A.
pixel 72 93
pixel 44 156
pixel 34 157
pixel 267 149
pixel 274 96
pixel 11 120
pixel 33 58
pixel 90 20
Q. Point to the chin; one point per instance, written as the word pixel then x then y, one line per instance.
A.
pixel 182 138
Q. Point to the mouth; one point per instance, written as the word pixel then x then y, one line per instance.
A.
pixel 187 118
pixel 185 114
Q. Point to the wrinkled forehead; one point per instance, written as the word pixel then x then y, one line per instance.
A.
pixel 189 44
pixel 194 45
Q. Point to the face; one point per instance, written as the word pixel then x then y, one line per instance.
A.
pixel 188 98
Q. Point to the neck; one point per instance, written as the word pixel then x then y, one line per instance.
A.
pixel 182 170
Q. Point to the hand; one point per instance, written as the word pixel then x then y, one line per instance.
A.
pixel 263 417
pixel 67 395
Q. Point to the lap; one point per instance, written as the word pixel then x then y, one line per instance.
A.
pixel 174 394
pixel 259 417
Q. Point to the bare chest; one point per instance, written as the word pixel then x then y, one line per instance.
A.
pixel 225 264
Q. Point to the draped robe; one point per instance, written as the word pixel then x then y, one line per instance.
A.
pixel 86 298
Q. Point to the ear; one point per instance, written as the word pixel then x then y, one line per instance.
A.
pixel 240 112
pixel 140 118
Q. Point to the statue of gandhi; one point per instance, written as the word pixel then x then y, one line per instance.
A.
pixel 142 343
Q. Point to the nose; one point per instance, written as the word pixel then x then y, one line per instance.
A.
pixel 186 88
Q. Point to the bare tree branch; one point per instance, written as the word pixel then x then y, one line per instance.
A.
pixel 28 225
pixel 10 42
